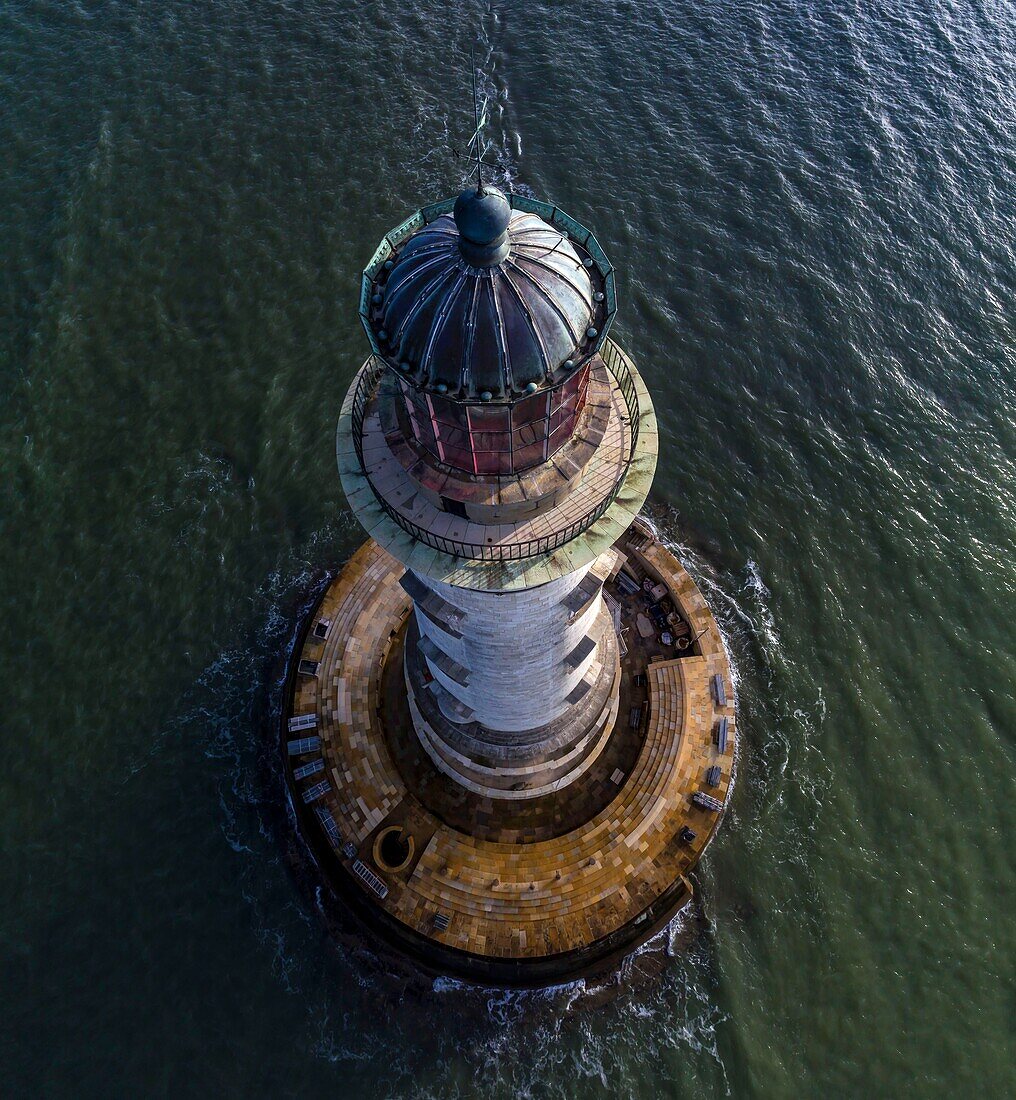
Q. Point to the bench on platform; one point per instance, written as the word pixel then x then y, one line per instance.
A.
pixel 721 735
pixel 627 585
pixel 305 771
pixel 329 825
pixel 312 794
pixel 303 745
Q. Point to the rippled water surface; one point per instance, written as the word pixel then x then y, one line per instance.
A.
pixel 811 210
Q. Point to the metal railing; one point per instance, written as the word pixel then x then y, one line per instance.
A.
pixel 366 388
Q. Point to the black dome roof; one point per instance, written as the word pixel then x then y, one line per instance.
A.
pixel 487 302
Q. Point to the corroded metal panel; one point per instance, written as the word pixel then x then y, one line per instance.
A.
pixel 576 230
pixel 364 296
pixel 384 252
pixel 436 209
pixel 370 335
pixel 533 206
pixel 597 255
pixel 403 232
pixel 610 290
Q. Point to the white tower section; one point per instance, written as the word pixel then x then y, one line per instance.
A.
pixel 497 444
pixel 523 657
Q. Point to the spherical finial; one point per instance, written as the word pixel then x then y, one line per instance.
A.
pixel 482 218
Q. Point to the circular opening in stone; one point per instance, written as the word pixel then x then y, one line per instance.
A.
pixel 393 848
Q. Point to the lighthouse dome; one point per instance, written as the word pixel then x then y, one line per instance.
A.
pixel 487 303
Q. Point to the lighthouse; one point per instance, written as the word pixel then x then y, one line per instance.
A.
pixel 509 729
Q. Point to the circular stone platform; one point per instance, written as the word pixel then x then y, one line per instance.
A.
pixel 508 891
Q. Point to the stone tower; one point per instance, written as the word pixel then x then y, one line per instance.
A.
pixel 508 733
pixel 497 444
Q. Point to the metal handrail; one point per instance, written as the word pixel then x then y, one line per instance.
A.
pixel 366 388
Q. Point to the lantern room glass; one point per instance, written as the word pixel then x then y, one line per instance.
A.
pixel 496 439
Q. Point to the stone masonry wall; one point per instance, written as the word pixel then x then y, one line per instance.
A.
pixel 514 645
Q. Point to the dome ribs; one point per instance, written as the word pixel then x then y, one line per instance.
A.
pixel 466 327
pixel 540 262
pixel 551 301
pixel 523 308
pixel 486 362
pixel 429 294
pixel 469 323
pixel 440 320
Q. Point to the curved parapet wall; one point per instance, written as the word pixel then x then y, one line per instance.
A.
pixel 501 890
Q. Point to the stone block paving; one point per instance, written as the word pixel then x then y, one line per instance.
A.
pixel 504 897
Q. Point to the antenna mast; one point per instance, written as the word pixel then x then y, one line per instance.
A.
pixel 476 125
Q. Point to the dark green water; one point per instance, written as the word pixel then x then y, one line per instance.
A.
pixel 811 210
